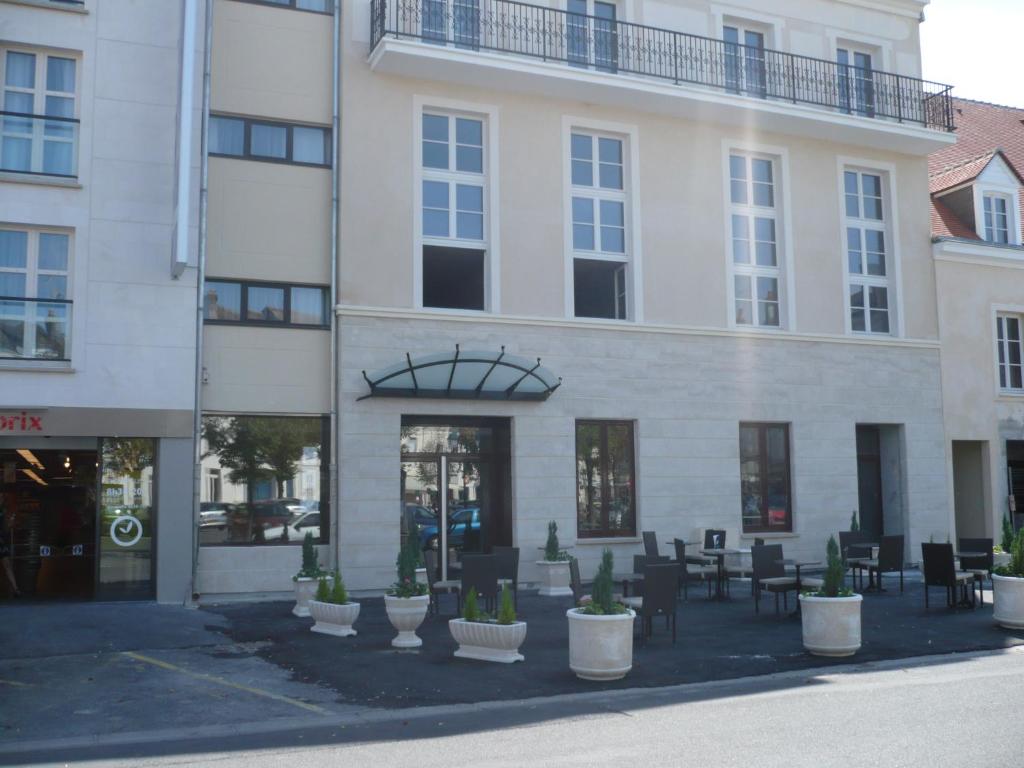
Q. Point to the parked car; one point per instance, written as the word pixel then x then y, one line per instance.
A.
pixel 307 522
pixel 214 514
pixel 458 522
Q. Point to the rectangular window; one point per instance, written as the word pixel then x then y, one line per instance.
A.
pixel 599 211
pixel 755 225
pixel 605 479
pixel 316 6
pixel 265 480
pixel 867 252
pixel 274 142
pixel 253 303
pixel 765 478
pixel 1010 353
pixel 453 188
pixel 35 304
pixel 744 59
pixel 997 220
pixel 856 81
pixel 39 126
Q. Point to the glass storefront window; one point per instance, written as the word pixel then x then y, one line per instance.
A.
pixel 605 491
pixel 127 520
pixel 264 480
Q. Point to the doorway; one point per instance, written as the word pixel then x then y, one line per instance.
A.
pixel 970 494
pixel 456 486
pixel 869 481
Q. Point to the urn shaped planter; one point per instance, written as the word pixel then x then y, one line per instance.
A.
pixel 334 618
pixel 488 641
pixel 406 614
pixel 831 625
pixel 600 647
pixel 1000 559
pixel 305 589
pixel 1008 599
pixel 554 578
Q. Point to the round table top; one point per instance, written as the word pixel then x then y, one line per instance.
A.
pixel 724 551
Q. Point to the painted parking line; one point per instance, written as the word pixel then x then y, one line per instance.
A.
pixel 226 683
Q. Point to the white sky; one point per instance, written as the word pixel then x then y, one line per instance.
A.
pixel 977 46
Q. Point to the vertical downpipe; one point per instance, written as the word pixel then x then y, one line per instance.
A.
pixel 334 491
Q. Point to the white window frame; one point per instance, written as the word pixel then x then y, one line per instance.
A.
pixel 726 15
pixel 783 271
pixel 490 245
pixel 890 218
pixel 1004 346
pixel 629 194
pixel 1008 202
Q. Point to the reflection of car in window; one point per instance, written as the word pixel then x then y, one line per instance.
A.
pixel 459 521
pixel 214 514
pixel 308 522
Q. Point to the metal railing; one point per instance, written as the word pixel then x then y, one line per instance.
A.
pixel 521 29
pixel 34 329
pixel 41 144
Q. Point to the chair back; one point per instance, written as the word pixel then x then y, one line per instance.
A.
pixel 765 559
pixel 480 572
pixel 641 561
pixel 661 586
pixel 650 544
pixel 680 547
pixel 851 544
pixel 890 553
pixel 508 563
pixel 430 561
pixel 575 583
pixel 976 563
pixel 937 564
pixel 714 538
pixel 758 542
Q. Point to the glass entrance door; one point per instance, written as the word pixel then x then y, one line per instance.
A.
pixel 126 519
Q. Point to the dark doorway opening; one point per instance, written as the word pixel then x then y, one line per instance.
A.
pixel 869 481
pixel 1015 480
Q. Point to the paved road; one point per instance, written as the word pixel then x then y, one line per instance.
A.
pixel 941 711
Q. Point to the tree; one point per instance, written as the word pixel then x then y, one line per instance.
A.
pixel 128 456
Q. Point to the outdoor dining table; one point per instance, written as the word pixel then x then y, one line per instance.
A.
pixel 798 564
pixel 719 555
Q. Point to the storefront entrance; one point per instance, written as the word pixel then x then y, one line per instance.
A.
pixel 456 485
pixel 78 517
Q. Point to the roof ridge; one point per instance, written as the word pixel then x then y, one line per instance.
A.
pixel 988 153
pixel 989 103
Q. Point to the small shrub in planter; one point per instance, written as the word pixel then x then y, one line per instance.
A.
pixel 307 577
pixel 831 616
pixel 1008 587
pixel 407 600
pixel 554 568
pixel 601 631
pixel 332 610
pixel 485 639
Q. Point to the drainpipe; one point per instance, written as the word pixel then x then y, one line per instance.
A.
pixel 197 416
pixel 334 491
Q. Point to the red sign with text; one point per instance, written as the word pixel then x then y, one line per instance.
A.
pixel 21 421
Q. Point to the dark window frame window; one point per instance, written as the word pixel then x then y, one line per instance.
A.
pixel 606 531
pixel 765 526
pixel 246 154
pixel 290 5
pixel 243 311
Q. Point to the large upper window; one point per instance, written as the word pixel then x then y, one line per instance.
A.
pixel 38 130
pixel 756 228
pixel 599 211
pixel 35 308
pixel 764 478
pixel 233 301
pixel 1010 352
pixel 605 479
pixel 744 57
pixel 856 80
pixel 996 209
pixel 268 141
pixel 453 190
pixel 868 261
pixel 265 480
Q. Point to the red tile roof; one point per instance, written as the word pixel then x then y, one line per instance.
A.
pixel 945 223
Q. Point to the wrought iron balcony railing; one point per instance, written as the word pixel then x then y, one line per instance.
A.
pixel 41 144
pixel 606 45
pixel 34 329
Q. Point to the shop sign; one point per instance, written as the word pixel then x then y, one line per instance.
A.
pixel 126 530
pixel 20 421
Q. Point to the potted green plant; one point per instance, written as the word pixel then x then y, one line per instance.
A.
pixel 485 639
pixel 1001 552
pixel 331 608
pixel 1008 587
pixel 601 631
pixel 831 615
pixel 306 579
pixel 554 568
pixel 407 601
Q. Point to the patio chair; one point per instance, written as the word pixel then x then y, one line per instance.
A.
pixel 692 566
pixel 436 588
pixel 770 575
pixel 660 589
pixel 939 571
pixel 508 570
pixel 576 583
pixel 480 572
pixel 854 553
pixel 650 543
pixel 890 560
pixel 640 562
pixel 979 567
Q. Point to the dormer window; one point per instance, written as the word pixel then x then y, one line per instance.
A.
pixel 996 218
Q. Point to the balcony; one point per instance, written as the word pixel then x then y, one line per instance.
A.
pixel 529 48
pixel 38 144
pixel 34 329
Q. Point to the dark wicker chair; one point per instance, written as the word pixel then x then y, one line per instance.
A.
pixel 890 560
pixel 700 568
pixel 939 571
pixel 508 569
pixel 650 543
pixel 435 588
pixel 575 582
pixel 770 575
pixel 660 590
pixel 854 553
pixel 480 572
pixel 979 567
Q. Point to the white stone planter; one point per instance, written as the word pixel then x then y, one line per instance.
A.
pixel 421 576
pixel 488 641
pixel 831 624
pixel 1000 559
pixel 406 614
pixel 333 618
pixel 600 647
pixel 1009 601
pixel 305 588
pixel 554 578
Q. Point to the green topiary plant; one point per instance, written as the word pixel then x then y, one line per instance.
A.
pixel 835 574
pixel 854 524
pixel 552 552
pixel 507 611
pixel 1007 541
pixel 470 609
pixel 1016 567
pixel 323 592
pixel 602 600
pixel 406 563
pixel 339 595
pixel 310 561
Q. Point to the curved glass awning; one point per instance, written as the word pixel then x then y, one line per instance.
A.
pixel 464 376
